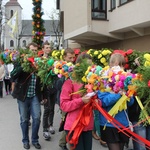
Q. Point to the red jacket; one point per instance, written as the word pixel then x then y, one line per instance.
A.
pixel 72 104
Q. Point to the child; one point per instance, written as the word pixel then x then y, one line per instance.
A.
pixel 73 105
pixel 115 140
pixel 2 74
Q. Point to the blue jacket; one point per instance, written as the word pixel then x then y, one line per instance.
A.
pixel 108 100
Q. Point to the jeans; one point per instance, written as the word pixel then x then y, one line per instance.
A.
pixel 143 131
pixel 33 105
pixel 48 114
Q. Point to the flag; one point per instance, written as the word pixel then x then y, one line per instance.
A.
pixel 13 24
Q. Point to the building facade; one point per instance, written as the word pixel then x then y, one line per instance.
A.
pixel 23 36
pixel 116 24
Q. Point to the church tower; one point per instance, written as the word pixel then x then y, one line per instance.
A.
pixel 10 8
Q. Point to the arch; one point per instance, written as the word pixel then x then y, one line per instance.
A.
pixel 11 13
pixel 11 43
pixel 24 43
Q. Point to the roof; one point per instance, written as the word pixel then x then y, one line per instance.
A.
pixel 27 27
pixel 12 3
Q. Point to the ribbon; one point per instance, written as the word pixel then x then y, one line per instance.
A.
pixel 80 123
pixel 83 120
pixel 142 108
pixel 119 106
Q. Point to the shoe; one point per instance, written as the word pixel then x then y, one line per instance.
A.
pixel 63 147
pixel 6 93
pixel 37 146
pixel 95 136
pixel 103 143
pixel 46 136
pixel 26 146
pixel 51 130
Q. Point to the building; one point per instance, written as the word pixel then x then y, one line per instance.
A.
pixel 116 24
pixel 24 30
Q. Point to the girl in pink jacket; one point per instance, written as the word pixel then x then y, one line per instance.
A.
pixel 72 104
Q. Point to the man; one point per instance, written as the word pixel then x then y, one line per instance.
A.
pixel 33 47
pixel 28 92
pixel 48 114
pixel 68 56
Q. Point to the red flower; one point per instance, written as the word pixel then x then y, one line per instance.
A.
pixel 76 51
pixel 129 51
pixel 148 83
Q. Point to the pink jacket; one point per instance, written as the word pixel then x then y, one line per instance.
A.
pixel 72 104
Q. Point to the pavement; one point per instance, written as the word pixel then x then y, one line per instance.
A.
pixel 10 131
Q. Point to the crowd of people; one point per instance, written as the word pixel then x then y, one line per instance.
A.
pixel 26 88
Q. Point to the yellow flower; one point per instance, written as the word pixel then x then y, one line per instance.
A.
pixel 102 60
pixel 147 63
pixel 86 73
pixel 53 53
pixel 96 52
pixel 89 51
pixel 57 53
pixel 84 79
pixel 108 52
pixel 95 87
pixel 69 64
pixel 105 64
pixel 99 56
pixel 62 52
pixel 104 52
pixel 147 56
pixel 61 58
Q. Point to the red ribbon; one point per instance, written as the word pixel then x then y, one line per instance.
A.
pixel 80 123
pixel 83 120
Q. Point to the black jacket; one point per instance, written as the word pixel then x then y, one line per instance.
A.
pixel 22 80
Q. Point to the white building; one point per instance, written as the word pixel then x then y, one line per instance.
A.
pixel 116 24
pixel 24 34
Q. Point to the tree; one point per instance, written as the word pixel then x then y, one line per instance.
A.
pixel 38 23
pixel 56 28
pixel 22 26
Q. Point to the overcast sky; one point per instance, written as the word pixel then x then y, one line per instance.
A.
pixel 47 5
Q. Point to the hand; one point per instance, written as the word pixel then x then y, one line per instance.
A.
pixel 44 101
pixel 86 99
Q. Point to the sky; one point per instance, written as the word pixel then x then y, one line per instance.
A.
pixel 47 5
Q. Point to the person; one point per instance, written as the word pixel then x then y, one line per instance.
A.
pixel 73 105
pixel 49 105
pixel 7 81
pixel 27 91
pixel 134 113
pixel 96 131
pixel 2 74
pixel 33 47
pixel 115 140
pixel 68 56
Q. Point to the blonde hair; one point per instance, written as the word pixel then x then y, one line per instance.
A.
pixel 117 59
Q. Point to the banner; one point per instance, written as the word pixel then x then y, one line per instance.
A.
pixel 13 24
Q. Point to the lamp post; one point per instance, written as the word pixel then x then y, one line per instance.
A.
pixel 1 17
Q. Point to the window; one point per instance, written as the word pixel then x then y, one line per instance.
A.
pixel 99 9
pixel 11 13
pixel 113 4
pixel 11 43
pixel 121 2
pixel 58 4
pixel 24 43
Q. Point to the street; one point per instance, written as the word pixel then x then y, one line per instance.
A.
pixel 10 132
